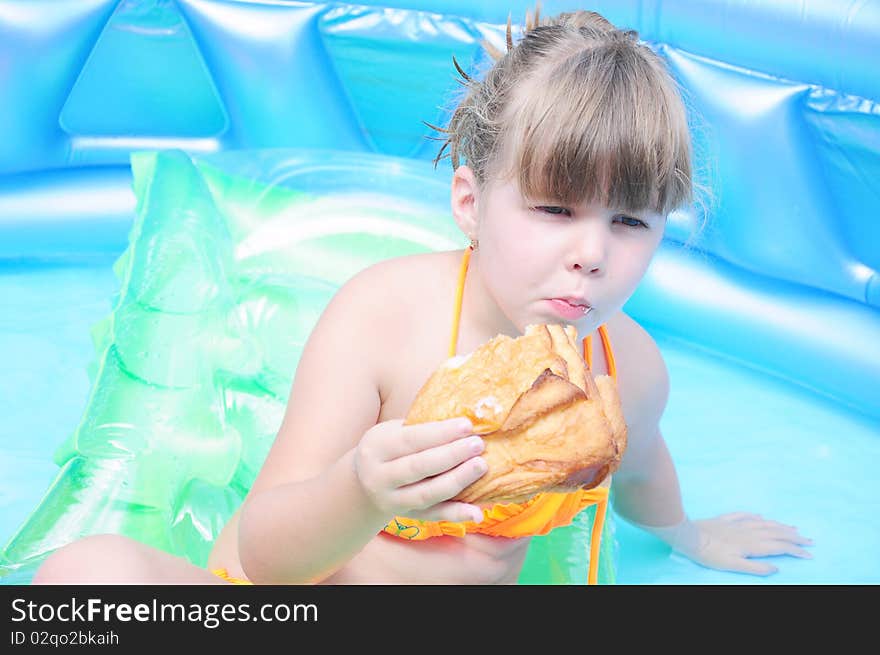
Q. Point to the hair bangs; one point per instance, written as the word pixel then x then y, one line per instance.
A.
pixel 602 130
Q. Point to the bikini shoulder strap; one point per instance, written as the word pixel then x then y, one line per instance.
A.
pixel 459 294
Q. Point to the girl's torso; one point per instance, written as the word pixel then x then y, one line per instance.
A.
pixel 419 350
pixel 422 289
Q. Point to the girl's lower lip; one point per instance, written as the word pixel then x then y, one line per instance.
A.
pixel 567 311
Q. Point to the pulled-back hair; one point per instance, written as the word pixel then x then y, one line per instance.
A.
pixel 577 110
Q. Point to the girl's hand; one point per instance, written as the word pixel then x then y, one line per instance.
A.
pixel 727 542
pixel 414 470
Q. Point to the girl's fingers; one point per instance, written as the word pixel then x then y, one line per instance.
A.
pixel 740 516
pixel 802 541
pixel 427 463
pixel 777 547
pixel 788 533
pixel 431 491
pixel 409 439
pixel 451 511
pixel 753 567
pixel 800 552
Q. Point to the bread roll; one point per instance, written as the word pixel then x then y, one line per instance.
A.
pixel 548 424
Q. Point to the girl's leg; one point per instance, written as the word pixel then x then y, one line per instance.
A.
pixel 114 559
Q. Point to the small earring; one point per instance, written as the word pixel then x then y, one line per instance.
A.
pixel 474 243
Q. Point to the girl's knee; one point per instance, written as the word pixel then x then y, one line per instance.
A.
pixel 94 559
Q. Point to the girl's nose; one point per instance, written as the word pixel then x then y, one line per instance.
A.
pixel 589 253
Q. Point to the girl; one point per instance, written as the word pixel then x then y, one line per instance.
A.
pixel 567 159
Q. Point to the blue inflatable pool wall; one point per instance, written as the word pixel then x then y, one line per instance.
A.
pixel 785 114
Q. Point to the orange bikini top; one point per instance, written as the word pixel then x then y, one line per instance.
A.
pixel 539 514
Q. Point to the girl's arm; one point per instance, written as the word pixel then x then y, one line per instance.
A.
pixel 301 532
pixel 305 514
pixel 335 475
pixel 647 492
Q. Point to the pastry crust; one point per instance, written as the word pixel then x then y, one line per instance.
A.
pixel 548 425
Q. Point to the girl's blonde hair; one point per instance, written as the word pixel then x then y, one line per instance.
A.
pixel 587 112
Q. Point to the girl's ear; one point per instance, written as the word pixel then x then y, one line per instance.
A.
pixel 465 199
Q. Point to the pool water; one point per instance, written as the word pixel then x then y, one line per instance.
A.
pixel 742 441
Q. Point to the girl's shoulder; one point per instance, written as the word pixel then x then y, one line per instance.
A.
pixel 401 307
pixel 406 273
pixel 367 329
pixel 642 376
pixel 395 290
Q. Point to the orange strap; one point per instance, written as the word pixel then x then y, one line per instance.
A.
pixel 223 573
pixel 459 294
pixel 602 506
pixel 606 346
pixel 596 539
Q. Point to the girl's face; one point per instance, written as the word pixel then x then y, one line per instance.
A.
pixel 541 262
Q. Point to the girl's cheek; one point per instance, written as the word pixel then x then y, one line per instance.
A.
pixel 528 252
pixel 533 236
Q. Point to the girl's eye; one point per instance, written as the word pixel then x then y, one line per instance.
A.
pixel 555 211
pixel 629 221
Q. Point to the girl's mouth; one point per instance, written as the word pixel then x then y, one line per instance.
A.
pixel 567 310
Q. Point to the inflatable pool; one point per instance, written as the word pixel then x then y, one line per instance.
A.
pixel 161 265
